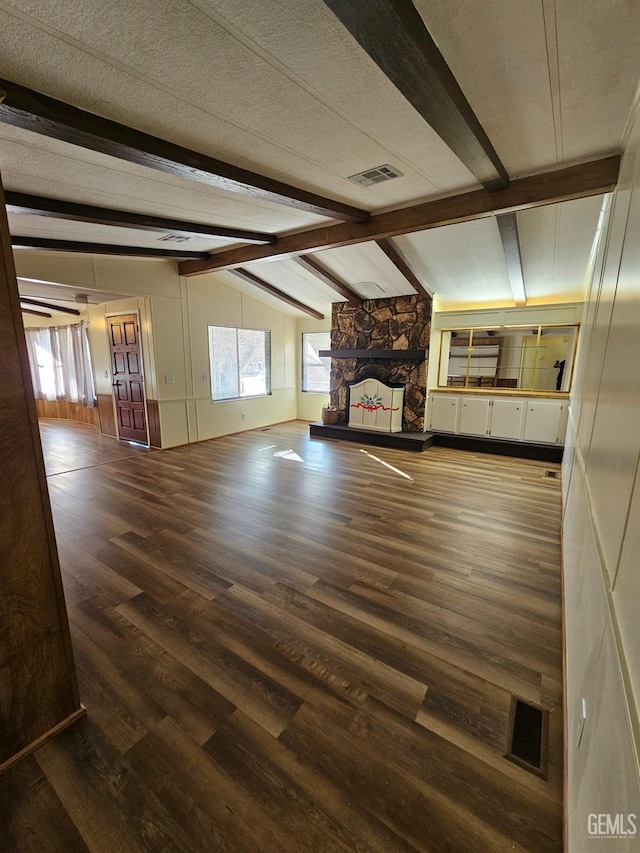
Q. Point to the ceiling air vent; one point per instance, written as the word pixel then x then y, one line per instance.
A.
pixel 174 238
pixel 367 289
pixel 376 175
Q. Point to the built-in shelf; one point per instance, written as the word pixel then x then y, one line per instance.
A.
pixel 398 354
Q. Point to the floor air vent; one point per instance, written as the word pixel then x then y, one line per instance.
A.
pixel 528 736
pixel 376 175
pixel 552 474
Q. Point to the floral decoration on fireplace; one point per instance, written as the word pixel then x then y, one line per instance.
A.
pixel 371 404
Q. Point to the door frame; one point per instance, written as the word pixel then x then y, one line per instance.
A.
pixel 120 313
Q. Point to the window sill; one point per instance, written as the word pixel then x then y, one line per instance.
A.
pixel 241 399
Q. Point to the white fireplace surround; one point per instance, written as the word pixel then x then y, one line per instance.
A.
pixel 374 405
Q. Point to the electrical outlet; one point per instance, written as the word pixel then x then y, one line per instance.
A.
pixel 106 374
pixel 243 416
pixel 168 378
pixel 204 377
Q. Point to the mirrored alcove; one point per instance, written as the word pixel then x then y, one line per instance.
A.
pixel 513 358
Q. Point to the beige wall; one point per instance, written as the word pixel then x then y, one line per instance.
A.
pixel 95 314
pixel 31 322
pixel 601 530
pixel 207 300
pixel 309 406
pixel 174 315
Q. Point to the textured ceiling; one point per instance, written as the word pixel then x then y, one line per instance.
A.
pixel 465 263
pixel 30 225
pixel 365 262
pixel 280 87
pixel 556 245
pixel 551 81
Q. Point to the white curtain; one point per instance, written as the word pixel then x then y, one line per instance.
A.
pixel 60 361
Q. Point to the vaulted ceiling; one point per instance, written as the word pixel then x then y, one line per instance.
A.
pixel 283 88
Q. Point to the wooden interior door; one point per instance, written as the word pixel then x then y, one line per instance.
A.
pixel 127 378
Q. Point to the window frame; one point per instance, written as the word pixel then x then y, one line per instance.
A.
pixel 303 361
pixel 267 360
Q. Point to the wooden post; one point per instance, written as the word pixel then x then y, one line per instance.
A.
pixel 38 688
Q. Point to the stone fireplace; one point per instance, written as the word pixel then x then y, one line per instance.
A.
pixel 400 324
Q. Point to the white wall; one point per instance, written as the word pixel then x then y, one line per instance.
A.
pixel 309 406
pixel 601 530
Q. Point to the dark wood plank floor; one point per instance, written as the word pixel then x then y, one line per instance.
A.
pixel 295 645
pixel 69 445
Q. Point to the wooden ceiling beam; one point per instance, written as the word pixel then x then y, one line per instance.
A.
pixel 310 264
pixel 263 285
pixel 395 37
pixel 103 249
pixel 54 208
pixel 508 227
pixel 398 259
pixel 579 181
pixel 35 313
pixel 29 301
pixel 30 110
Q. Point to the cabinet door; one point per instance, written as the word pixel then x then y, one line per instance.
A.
pixel 474 415
pixel 506 418
pixel 444 413
pixel 544 421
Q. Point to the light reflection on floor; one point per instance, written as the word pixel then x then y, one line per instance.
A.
pixel 386 464
pixel 287 453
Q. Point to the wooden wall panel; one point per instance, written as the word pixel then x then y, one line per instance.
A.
pixel 153 418
pixel 38 690
pixel 68 411
pixel 106 418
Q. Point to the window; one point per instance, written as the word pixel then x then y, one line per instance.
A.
pixel 315 370
pixel 240 362
pixel 60 361
pixel 523 358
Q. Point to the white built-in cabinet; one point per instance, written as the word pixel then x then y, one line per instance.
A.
pixel 507 418
pixel 444 412
pixel 544 418
pixel 474 415
pixel 542 421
